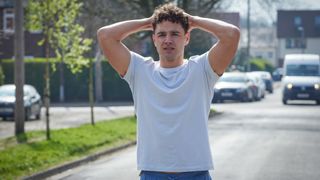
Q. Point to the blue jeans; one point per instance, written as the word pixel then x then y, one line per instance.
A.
pixel 196 175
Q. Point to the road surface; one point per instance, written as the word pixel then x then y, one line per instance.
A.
pixel 263 140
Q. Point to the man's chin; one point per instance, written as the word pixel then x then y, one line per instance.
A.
pixel 169 59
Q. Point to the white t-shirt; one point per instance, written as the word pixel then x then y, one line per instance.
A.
pixel 172 107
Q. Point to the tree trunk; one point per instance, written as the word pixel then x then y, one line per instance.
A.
pixel 98 76
pixel 19 111
pixel 91 98
pixel 61 89
pixel 47 90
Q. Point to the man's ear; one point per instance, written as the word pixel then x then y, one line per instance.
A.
pixel 187 38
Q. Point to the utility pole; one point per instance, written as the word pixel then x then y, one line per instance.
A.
pixel 248 34
pixel 19 112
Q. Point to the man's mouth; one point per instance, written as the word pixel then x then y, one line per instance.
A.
pixel 168 48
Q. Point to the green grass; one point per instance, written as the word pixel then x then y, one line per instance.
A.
pixel 38 154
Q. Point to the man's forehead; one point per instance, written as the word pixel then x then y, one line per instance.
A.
pixel 167 26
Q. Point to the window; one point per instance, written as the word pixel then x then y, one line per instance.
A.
pixel 297 21
pixel 317 21
pixel 8 20
pixel 292 43
pixel 317 24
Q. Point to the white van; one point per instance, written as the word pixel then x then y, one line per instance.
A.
pixel 301 77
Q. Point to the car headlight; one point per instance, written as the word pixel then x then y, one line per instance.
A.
pixel 289 86
pixel 317 86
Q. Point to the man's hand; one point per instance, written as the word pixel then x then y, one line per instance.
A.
pixel 228 35
pixel 110 38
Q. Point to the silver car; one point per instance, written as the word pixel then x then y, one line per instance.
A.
pixel 32 101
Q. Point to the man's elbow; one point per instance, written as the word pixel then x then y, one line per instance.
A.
pixel 101 33
pixel 234 34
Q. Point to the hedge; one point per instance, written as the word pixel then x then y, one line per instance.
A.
pixel 76 85
pixel 258 64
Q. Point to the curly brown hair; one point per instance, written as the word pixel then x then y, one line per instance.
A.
pixel 172 13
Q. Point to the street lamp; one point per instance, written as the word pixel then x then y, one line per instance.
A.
pixel 301 29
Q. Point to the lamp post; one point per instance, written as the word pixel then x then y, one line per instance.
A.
pixel 301 29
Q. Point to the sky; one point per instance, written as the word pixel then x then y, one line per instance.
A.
pixel 267 14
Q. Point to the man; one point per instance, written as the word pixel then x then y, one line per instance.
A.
pixel 171 96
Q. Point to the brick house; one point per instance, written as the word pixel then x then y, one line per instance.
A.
pixel 7 34
pixel 298 31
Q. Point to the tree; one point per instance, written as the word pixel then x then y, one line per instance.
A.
pixel 62 34
pixel 19 111
pixel 107 12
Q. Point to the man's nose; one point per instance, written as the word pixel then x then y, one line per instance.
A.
pixel 168 39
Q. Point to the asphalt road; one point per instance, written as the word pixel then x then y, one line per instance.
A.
pixel 263 140
pixel 68 115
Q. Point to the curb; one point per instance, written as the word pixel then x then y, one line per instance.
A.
pixel 73 164
pixel 214 114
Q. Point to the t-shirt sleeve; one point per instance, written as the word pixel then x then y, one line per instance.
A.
pixel 212 77
pixel 136 61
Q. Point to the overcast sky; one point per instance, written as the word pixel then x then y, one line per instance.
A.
pixel 261 12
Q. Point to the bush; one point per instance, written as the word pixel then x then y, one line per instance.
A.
pixel 259 64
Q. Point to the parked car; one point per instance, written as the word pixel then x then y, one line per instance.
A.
pixel 301 80
pixel 32 101
pixel 266 76
pixel 277 74
pixel 233 86
pixel 259 84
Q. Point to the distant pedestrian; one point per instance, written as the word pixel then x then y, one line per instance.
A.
pixel 172 96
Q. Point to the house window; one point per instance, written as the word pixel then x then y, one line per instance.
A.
pixel 297 21
pixel 8 20
pixel 292 43
pixel 317 21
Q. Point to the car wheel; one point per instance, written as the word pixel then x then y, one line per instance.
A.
pixel 27 114
pixel 318 102
pixel 38 115
pixel 284 101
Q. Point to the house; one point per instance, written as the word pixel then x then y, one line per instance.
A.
pixel 229 17
pixel 263 42
pixel 298 31
pixel 7 34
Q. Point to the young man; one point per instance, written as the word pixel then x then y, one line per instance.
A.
pixel 172 96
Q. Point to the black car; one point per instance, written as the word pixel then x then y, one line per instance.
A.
pixel 32 101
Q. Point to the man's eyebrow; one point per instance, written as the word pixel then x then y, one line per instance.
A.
pixel 173 32
pixel 161 32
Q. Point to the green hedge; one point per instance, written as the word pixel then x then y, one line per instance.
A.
pixel 76 85
pixel 258 64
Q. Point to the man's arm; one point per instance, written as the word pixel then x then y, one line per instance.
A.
pixel 110 38
pixel 221 54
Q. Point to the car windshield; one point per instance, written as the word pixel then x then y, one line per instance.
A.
pixel 10 91
pixel 235 79
pixel 7 91
pixel 302 70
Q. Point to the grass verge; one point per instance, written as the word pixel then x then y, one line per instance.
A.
pixel 38 154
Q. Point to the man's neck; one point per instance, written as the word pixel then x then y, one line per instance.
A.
pixel 171 63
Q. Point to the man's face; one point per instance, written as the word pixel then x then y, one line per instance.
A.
pixel 170 40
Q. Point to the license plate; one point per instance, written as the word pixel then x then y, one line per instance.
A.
pixel 302 95
pixel 226 94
